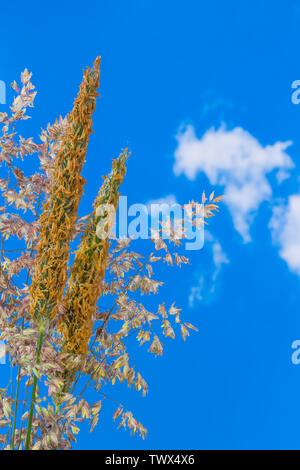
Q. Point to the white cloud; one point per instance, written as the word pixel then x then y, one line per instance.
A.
pixel 285 226
pixel 236 161
pixel 196 294
pixel 163 205
pixel 219 258
pixel 206 284
pixel 170 199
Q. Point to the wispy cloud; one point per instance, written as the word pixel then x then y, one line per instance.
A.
pixel 285 227
pixel 161 207
pixel 235 160
pixel 170 199
pixel 207 281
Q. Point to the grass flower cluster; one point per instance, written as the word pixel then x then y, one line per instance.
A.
pixel 59 214
pixel 89 267
pixel 65 328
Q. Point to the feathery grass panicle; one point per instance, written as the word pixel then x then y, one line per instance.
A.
pixel 67 358
pixel 60 210
pixel 88 269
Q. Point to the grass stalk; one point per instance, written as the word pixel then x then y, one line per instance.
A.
pixel 30 417
pixel 15 410
pixel 19 368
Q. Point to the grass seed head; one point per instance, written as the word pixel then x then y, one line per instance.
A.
pixel 88 269
pixel 59 214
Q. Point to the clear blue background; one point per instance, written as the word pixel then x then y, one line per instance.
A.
pixel 164 63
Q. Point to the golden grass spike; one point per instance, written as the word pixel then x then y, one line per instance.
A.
pixel 60 210
pixel 88 269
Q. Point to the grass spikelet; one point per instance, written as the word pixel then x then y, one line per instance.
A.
pixel 60 210
pixel 88 269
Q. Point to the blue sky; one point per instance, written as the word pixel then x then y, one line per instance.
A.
pixel 200 91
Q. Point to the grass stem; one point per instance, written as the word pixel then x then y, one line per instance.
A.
pixel 30 417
